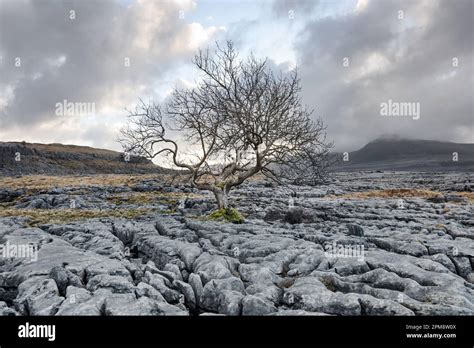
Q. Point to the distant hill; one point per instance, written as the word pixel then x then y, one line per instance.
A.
pixel 381 154
pixel 408 155
pixel 58 159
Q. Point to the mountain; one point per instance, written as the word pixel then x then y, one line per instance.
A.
pixel 408 155
pixel 20 158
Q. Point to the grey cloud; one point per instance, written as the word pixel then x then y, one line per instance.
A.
pixel 94 45
pixel 416 56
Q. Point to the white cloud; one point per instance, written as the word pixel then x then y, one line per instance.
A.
pixel 374 63
pixel 361 5
pixel 200 35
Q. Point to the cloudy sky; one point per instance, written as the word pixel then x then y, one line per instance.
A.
pixel 352 56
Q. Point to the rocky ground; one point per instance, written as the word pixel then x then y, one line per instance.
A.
pixel 362 244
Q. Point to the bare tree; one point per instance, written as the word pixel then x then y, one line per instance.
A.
pixel 241 119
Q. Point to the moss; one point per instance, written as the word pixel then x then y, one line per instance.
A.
pixel 227 214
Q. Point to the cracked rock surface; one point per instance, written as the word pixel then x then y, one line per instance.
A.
pixel 361 244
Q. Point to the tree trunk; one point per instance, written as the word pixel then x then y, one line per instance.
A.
pixel 222 199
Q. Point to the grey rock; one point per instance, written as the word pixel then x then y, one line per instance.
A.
pixel 147 290
pixel 409 248
pixel 443 260
pixel 8 195
pixel 7 311
pixel 115 284
pixel 38 296
pixel 311 295
pixel 64 278
pixel 463 266
pixel 229 302
pixel 211 300
pixel 196 283
pixel 188 293
pixel 80 301
pixel 129 305
pixel 355 230
pixel 159 283
pixel 212 267
pixel 253 305
pixel 163 250
pixel 374 306
pixel 173 269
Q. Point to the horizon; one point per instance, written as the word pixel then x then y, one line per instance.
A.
pixel 383 137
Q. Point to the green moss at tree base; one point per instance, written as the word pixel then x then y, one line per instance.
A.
pixel 228 214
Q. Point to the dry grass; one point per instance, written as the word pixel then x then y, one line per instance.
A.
pixel 402 193
pixel 390 193
pixel 150 197
pixel 468 195
pixel 41 182
pixel 34 183
pixel 57 216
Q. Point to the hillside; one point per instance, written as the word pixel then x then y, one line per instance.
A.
pixel 18 158
pixel 408 155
